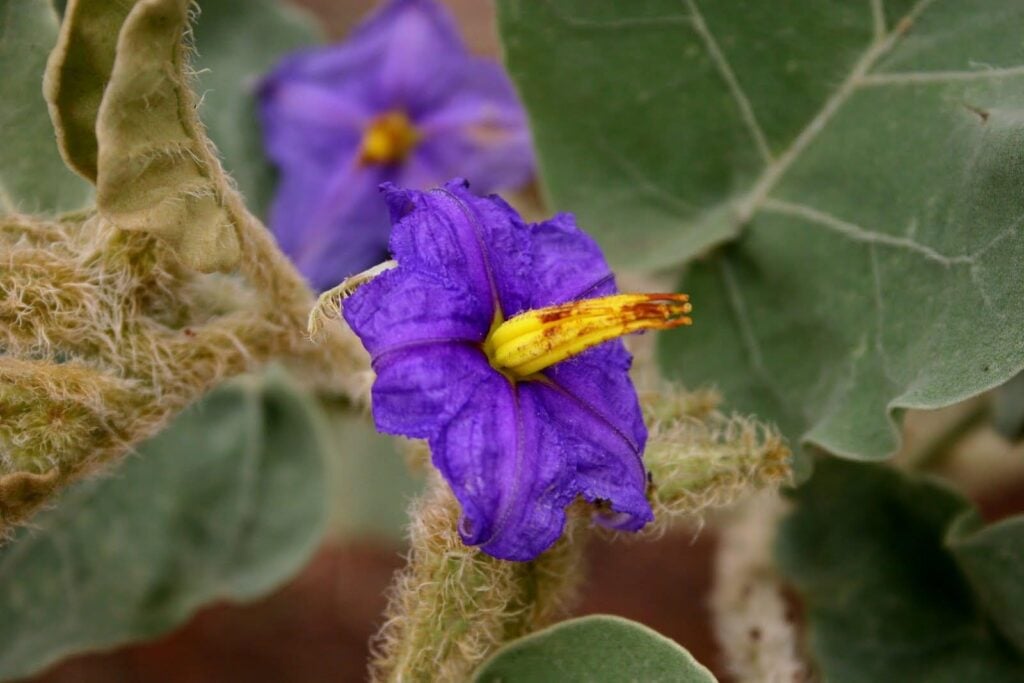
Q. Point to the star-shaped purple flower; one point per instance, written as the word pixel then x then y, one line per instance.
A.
pixel 457 366
pixel 400 100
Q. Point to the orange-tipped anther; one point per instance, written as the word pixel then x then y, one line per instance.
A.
pixel 534 340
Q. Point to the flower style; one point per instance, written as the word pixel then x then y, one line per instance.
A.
pixel 401 100
pixel 494 340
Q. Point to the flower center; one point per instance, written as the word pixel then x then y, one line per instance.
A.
pixel 388 139
pixel 534 340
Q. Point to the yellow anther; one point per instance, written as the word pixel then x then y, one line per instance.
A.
pixel 534 340
pixel 388 139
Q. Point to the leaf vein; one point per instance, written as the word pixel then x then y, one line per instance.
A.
pixel 729 76
pixel 640 180
pixel 878 18
pixel 618 22
pixel 876 275
pixel 859 234
pixel 774 172
pixel 915 77
pixel 735 297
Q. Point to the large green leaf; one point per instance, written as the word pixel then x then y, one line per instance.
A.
pixel 993 560
pixel 871 163
pixel 885 598
pixel 593 649
pixel 33 177
pixel 237 41
pixel 226 503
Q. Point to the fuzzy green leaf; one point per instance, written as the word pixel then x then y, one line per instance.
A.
pixel 871 163
pixel 869 157
pixel 234 48
pixel 77 73
pixel 593 649
pixel 225 504
pixel 32 176
pixel 118 85
pixel 885 599
pixel 993 560
pixel 156 170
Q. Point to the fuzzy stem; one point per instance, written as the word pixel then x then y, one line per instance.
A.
pixel 700 459
pixel 452 605
pixel 751 619
pixel 338 362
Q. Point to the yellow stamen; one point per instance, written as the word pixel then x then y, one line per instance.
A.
pixel 531 341
pixel 388 139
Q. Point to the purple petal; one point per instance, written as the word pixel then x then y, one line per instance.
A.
pixel 397 26
pixel 484 93
pixel 506 467
pixel 494 157
pixel 598 380
pixel 567 264
pixel 593 408
pixel 331 223
pixel 405 307
pixel 480 241
pixel 479 132
pixel 420 389
pixel 421 52
pixel 299 117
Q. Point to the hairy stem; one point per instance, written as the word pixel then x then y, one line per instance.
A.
pixel 452 605
pixel 700 459
pixel 751 620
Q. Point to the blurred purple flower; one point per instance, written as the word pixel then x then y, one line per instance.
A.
pixel 522 415
pixel 401 100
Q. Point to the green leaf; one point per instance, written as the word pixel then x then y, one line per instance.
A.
pixel 225 504
pixel 33 177
pixel 370 482
pixel 993 560
pixel 885 598
pixel 593 649
pixel 156 172
pixel 235 48
pixel 870 163
pixel 126 118
pixel 77 73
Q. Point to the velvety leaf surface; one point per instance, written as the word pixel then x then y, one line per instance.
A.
pixel 593 649
pixel 236 42
pixel 77 72
pixel 870 164
pixel 993 560
pixel 224 504
pixel 885 598
pixel 156 173
pixel 33 177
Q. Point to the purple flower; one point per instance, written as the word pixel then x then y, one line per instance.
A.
pixel 490 339
pixel 401 100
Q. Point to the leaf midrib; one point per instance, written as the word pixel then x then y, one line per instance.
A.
pixel 773 172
